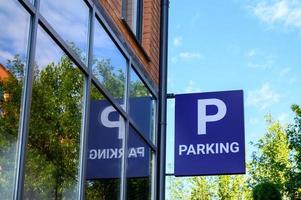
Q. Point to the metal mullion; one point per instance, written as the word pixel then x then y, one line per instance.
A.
pixel 28 6
pixel 86 109
pixel 143 137
pixel 90 3
pixel 25 105
pixel 63 45
pixel 126 134
pixel 124 162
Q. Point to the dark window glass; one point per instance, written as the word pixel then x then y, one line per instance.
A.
pixel 139 168
pixel 105 139
pixel 142 105
pixel 132 13
pixel 52 161
pixel 13 48
pixel 109 65
pixel 70 19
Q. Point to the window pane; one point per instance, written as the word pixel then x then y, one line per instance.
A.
pixel 13 47
pixel 109 64
pixel 105 139
pixel 139 168
pixel 55 123
pixel 70 19
pixel 131 14
pixel 142 105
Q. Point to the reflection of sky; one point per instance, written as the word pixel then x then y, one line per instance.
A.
pixel 13 30
pixel 226 45
pixel 104 48
pixel 70 19
pixel 47 51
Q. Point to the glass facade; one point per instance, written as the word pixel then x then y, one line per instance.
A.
pixel 77 120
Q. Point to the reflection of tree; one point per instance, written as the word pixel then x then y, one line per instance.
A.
pixel 55 119
pixel 54 130
pixel 10 96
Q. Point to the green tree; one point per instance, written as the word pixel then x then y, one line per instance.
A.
pixel 271 162
pixel 201 188
pixel 177 187
pixel 232 187
pixel 293 184
pixel 266 191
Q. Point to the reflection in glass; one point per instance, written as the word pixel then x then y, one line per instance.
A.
pixel 139 168
pixel 70 19
pixel 13 47
pixel 142 105
pixel 105 138
pixel 109 64
pixel 55 123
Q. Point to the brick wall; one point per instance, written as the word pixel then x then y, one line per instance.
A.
pixel 150 33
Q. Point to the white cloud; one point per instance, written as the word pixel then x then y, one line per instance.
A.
pixel 192 86
pixel 283 118
pixel 70 19
pixel 190 56
pixel 186 56
pixel 251 53
pixel 265 65
pixel 285 71
pixel 259 60
pixel 177 41
pixel 284 12
pixel 5 55
pixel 14 30
pixel 263 97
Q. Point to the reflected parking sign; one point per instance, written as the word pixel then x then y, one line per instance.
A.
pixel 209 133
pixel 106 133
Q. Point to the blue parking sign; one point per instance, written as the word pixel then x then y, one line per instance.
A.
pixel 209 133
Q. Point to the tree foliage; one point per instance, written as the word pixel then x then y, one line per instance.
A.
pixel 271 162
pixel 266 191
pixel 201 189
pixel 293 184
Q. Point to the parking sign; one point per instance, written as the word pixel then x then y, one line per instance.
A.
pixel 209 133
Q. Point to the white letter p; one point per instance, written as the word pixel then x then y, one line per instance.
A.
pixel 203 118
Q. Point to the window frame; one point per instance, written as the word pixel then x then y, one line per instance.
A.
pixel 139 19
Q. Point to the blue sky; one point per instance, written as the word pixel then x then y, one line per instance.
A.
pixel 225 45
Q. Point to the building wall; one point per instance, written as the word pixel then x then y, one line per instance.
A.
pixel 150 33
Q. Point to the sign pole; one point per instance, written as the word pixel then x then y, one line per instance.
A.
pixel 161 155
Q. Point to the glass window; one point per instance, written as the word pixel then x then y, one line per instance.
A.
pixel 105 139
pixel 139 168
pixel 52 161
pixel 70 19
pixel 109 65
pixel 13 48
pixel 133 15
pixel 142 105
